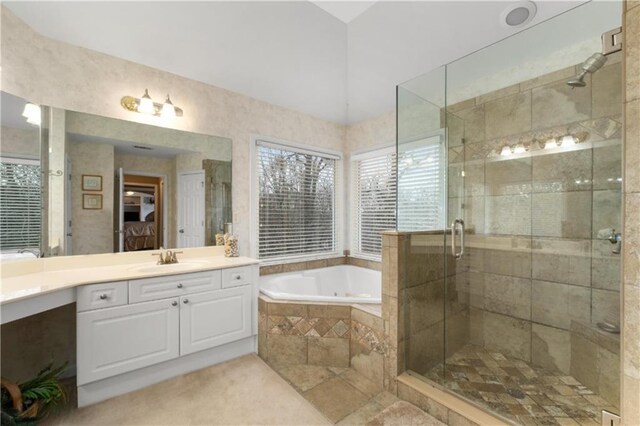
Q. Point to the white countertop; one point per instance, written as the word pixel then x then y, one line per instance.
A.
pixel 30 278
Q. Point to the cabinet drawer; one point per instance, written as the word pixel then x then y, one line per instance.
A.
pixel 172 285
pixel 234 277
pixel 125 338
pixel 105 295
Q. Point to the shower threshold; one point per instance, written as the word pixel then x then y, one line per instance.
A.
pixel 518 391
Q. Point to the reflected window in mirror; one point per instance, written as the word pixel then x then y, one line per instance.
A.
pixel 20 179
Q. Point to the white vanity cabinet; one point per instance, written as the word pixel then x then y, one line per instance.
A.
pixel 162 323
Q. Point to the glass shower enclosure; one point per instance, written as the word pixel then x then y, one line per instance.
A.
pixel 509 183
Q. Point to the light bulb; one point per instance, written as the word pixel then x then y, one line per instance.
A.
pixel 32 113
pixel 568 141
pixel 168 110
pixel 550 144
pixel 130 192
pixel 145 105
pixel 506 151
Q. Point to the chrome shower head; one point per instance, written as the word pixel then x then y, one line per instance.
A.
pixel 578 81
pixel 591 65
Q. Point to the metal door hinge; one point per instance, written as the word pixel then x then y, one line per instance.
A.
pixel 610 419
pixel 612 41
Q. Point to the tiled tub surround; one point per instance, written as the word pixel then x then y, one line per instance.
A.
pixel 321 263
pixel 330 335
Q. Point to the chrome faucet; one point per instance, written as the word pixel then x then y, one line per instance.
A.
pixel 34 252
pixel 167 257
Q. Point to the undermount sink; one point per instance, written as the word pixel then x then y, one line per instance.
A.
pixel 172 267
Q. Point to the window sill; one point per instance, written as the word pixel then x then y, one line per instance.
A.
pixel 299 259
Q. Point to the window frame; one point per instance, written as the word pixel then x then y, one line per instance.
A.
pixel 439 139
pixel 254 215
pixel 374 152
pixel 29 161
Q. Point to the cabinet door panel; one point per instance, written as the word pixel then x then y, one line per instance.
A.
pixel 117 340
pixel 214 318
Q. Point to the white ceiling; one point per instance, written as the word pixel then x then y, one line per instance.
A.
pixel 346 11
pixel 291 54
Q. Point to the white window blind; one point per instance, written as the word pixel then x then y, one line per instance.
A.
pixel 374 191
pixel 20 205
pixel 421 185
pixel 296 202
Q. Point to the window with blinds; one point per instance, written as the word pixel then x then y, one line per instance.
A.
pixel 374 190
pixel 296 202
pixel 421 185
pixel 20 205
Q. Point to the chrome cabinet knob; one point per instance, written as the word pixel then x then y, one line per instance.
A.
pixel 103 296
pixel 238 277
pixel 174 303
pixel 185 301
pixel 180 285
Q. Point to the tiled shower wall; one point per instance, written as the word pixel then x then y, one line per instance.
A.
pixel 536 270
pixel 631 237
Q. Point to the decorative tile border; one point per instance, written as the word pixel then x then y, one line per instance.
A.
pixel 301 326
pixel 369 338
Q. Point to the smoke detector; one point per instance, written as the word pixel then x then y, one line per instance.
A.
pixel 518 14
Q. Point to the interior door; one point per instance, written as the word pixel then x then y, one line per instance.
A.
pixel 191 209
pixel 118 218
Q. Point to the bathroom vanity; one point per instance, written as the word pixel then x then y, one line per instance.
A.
pixel 139 323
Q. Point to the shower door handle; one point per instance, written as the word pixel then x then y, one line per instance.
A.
pixel 454 226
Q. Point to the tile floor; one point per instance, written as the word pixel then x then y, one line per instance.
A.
pixel 521 392
pixel 243 391
pixel 343 395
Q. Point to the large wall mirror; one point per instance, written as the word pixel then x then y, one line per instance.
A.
pixel 75 183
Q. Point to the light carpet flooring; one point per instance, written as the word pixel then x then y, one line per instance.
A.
pixel 243 391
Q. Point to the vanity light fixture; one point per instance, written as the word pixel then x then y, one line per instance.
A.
pixel 146 105
pixel 32 114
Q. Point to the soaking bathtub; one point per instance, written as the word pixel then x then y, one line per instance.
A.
pixel 342 284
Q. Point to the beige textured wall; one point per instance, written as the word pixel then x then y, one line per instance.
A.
pixel 37 68
pixel 20 142
pixel 631 237
pixel 92 229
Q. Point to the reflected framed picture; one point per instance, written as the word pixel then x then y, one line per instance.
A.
pixel 91 183
pixel 92 201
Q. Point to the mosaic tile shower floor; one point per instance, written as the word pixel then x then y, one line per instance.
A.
pixel 525 394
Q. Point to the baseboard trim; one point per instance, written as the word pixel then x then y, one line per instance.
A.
pixel 101 390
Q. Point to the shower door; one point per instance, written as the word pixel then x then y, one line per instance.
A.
pixel 534 172
pixel 521 317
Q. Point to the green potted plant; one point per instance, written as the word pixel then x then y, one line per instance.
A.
pixel 30 401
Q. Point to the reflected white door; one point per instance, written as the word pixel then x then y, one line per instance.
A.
pixel 118 220
pixel 191 209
